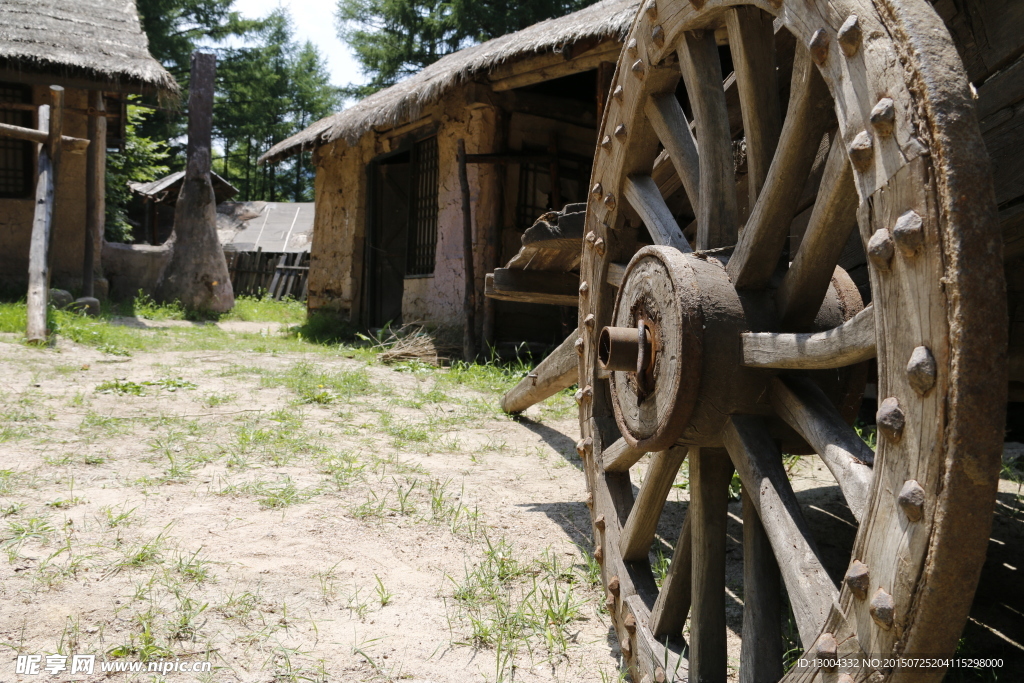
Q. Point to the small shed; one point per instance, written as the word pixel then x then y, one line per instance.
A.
pixel 96 50
pixel 388 231
pixel 161 195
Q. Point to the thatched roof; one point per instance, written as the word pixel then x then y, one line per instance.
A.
pixel 97 40
pixel 404 101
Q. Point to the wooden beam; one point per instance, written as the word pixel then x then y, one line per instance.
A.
pixel 668 616
pixel 72 145
pixel 620 456
pixel 638 532
pixel 556 372
pixel 469 286
pixel 552 66
pixel 95 183
pixel 533 287
pixel 851 342
pixel 644 196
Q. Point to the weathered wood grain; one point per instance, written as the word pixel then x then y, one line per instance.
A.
pixel 533 286
pixel 638 531
pixel 761 651
pixel 620 456
pixel 851 342
pixel 643 195
pixel 556 372
pixel 668 616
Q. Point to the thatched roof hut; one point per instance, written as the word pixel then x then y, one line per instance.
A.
pixel 572 34
pixel 81 41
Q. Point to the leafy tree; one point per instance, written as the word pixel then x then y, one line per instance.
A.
pixel 139 161
pixel 396 38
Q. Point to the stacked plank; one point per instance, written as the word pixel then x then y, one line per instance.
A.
pixel 278 275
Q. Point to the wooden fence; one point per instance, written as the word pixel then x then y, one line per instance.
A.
pixel 276 274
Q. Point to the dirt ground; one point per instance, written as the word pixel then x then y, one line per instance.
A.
pixel 292 516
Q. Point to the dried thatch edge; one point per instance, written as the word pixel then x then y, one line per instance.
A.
pixel 406 100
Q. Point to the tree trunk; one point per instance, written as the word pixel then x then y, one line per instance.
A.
pixel 197 274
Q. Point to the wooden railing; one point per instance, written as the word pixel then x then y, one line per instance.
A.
pixel 51 143
pixel 276 274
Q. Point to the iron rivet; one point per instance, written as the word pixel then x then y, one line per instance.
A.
pixel 579 448
pixel 911 500
pixel 880 249
pixel 652 9
pixel 850 35
pixel 631 47
pixel 882 609
pixel 591 235
pixel 890 419
pixel 819 46
pixel 609 202
pixel 606 142
pixel 908 233
pixel 862 151
pixel 599 522
pixel 598 554
pixel 658 35
pixel 590 500
pixel 579 345
pixel 597 189
pixel 609 601
pixel 826 648
pixel 858 579
pixel 638 68
pixel 589 320
pixel 584 288
pixel 617 92
pixel 921 370
pixel 630 623
pixel 613 585
pixel 883 117
pixel 620 131
pixel 599 246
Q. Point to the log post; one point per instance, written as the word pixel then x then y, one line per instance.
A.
pixel 197 275
pixel 491 248
pixel 95 204
pixel 468 304
pixel 51 119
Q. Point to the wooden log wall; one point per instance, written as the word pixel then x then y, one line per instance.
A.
pixel 278 275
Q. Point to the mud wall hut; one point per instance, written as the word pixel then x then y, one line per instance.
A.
pixel 388 232
pixel 96 50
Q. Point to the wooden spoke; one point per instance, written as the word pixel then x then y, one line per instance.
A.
pixel 556 372
pixel 638 532
pixel 702 74
pixel 620 456
pixel 808 118
pixel 615 273
pixel 759 463
pixel 761 654
pixel 752 43
pixel 802 404
pixel 852 342
pixel 710 472
pixel 645 198
pixel 670 125
pixel 833 218
pixel 673 604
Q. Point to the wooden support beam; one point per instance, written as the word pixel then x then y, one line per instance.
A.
pixel 556 372
pixel 550 66
pixel 72 145
pixel 620 456
pixel 50 121
pixel 533 286
pixel 468 305
pixel 668 616
pixel 95 183
pixel 638 532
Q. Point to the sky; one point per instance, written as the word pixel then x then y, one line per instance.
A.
pixel 312 20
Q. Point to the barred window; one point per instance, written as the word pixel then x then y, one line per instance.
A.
pixel 423 209
pixel 15 155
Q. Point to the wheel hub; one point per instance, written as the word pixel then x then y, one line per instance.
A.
pixel 674 354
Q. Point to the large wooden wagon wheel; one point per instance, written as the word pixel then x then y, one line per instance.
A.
pixel 708 352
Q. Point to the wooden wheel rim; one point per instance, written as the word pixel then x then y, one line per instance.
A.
pixel 926 219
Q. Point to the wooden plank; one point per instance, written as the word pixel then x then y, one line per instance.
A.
pixel 533 286
pixel 643 195
pixel 852 342
pixel 638 532
pixel 710 473
pixel 832 220
pixel 653 652
pixel 752 45
pixel 469 280
pixel 759 463
pixel 616 271
pixel 620 456
pixel 807 409
pixel 668 616
pixel 809 117
pixel 670 125
pixel 523 73
pixel 702 74
pixel 761 651
pixel 556 372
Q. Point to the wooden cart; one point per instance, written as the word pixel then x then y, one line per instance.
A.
pixel 792 202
